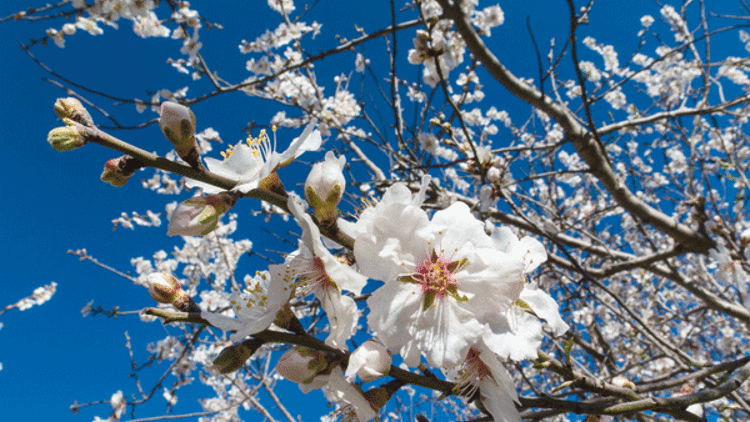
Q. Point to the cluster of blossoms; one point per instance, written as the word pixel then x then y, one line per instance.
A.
pixel 449 292
pixel 446 287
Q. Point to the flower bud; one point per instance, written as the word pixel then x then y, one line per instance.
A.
pixel 369 361
pixel 301 365
pixel 117 171
pixel 620 381
pixel 177 123
pixel 199 216
pixel 234 357
pixel 163 287
pixel 71 108
pixel 324 187
pixel 65 138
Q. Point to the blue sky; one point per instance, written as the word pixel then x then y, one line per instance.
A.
pixel 54 201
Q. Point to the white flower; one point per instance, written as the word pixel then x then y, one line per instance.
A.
pixel 516 333
pixel 321 274
pixel 443 279
pixel 397 195
pixel 481 369
pixel 118 403
pixel 250 162
pixel 369 361
pixel 730 271
pixel 256 306
pixel 339 390
pixel 530 250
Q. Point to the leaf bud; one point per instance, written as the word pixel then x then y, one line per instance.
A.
pixel 71 108
pixel 65 138
pixel 234 357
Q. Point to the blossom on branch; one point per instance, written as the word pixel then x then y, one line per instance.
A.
pixel 318 272
pixel 256 306
pixel 444 279
pixel 252 161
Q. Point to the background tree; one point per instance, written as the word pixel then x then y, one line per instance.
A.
pixel 631 171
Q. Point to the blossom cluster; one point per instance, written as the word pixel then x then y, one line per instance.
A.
pixel 444 289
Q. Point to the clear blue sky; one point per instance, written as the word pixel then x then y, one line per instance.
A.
pixel 54 201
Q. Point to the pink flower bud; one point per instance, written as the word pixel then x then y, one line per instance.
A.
pixel 369 361
pixel 301 365
pixel 177 123
pixel 163 287
pixel 199 216
pixel 324 186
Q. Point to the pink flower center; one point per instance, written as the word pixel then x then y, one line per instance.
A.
pixel 436 275
pixel 471 374
pixel 313 276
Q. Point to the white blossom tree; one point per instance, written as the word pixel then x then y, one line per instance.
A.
pixel 587 262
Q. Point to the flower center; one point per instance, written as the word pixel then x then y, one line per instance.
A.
pixel 312 276
pixel 436 276
pixel 471 373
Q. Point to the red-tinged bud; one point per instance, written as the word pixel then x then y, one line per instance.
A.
pixel 165 288
pixel 117 171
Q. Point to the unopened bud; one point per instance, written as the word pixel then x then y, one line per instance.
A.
pixel 65 138
pixel 177 122
pixel 378 397
pixel 163 287
pixel 234 357
pixel 71 108
pixel 199 216
pixel 324 187
pixel 621 381
pixel 301 364
pixel 369 361
pixel 117 171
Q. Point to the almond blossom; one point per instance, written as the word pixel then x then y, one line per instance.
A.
pixel 482 370
pixel 250 162
pixel 444 278
pixel 255 307
pixel 320 273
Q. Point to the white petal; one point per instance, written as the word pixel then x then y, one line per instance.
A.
pixel 545 307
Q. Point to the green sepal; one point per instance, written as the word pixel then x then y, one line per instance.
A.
pixel 429 300
pixel 453 266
